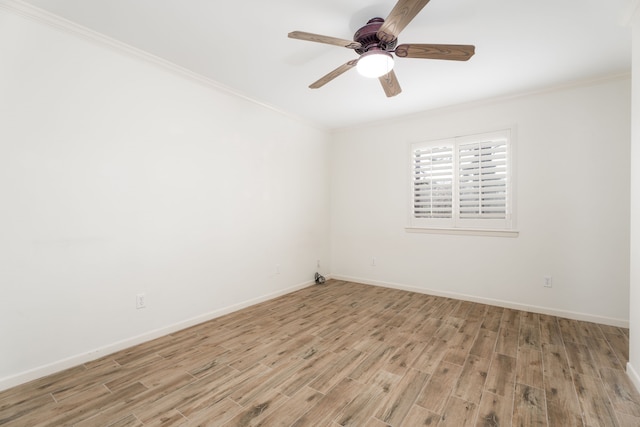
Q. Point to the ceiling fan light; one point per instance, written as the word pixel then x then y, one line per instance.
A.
pixel 375 64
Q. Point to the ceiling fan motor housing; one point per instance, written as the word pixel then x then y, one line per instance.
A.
pixel 368 38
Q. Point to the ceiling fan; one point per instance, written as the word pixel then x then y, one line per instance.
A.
pixel 378 39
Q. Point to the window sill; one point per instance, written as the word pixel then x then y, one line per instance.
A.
pixel 464 231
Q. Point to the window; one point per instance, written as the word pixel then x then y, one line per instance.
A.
pixel 463 182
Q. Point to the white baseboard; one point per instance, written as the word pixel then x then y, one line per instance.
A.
pixel 633 376
pixel 622 323
pixel 60 365
pixel 24 377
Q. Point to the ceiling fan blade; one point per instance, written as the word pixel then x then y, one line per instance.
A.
pixel 332 75
pixel 301 35
pixel 455 52
pixel 401 14
pixel 390 84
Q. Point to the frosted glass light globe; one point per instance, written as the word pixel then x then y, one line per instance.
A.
pixel 375 64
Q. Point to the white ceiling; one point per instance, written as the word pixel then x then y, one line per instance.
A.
pixel 520 46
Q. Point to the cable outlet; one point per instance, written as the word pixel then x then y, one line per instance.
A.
pixel 141 301
pixel 548 281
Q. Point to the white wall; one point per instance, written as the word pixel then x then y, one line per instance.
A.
pixel 572 202
pixel 633 368
pixel 118 176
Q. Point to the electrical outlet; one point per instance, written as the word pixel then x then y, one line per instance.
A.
pixel 318 264
pixel 277 268
pixel 141 301
pixel 373 261
pixel 548 282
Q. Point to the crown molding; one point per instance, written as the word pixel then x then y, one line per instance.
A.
pixel 447 109
pixel 59 23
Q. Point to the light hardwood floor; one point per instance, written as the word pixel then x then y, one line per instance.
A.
pixel 350 354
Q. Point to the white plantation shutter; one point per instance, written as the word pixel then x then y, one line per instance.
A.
pixel 482 179
pixel 462 182
pixel 433 182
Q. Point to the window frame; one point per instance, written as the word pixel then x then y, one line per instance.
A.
pixel 504 226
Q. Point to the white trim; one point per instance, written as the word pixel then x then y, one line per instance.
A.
pixel 485 102
pixel 463 231
pixel 43 17
pixel 39 15
pixel 455 145
pixel 57 366
pixel 633 376
pixel 622 323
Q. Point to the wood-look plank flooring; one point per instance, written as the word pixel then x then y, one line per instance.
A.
pixel 349 354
